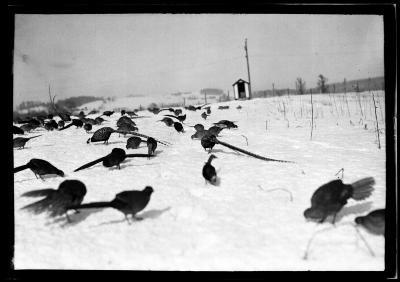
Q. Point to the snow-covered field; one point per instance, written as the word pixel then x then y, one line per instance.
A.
pixel 238 225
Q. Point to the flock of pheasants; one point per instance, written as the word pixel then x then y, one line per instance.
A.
pixel 326 201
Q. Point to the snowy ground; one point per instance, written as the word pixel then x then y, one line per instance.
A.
pixel 238 225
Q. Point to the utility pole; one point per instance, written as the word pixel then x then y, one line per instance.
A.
pixel 273 89
pixel 248 67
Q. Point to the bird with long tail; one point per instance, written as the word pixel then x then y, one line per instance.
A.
pixel 128 202
pixel 115 158
pixel 20 142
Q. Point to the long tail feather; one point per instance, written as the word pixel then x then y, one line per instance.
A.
pixel 35 136
pixel 39 193
pixel 65 127
pixel 19 168
pixel 90 164
pixel 363 188
pixel 92 205
pixel 249 153
pixel 171 116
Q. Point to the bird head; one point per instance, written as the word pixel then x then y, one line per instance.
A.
pixel 88 141
pixel 148 190
pixel 359 220
pixel 60 173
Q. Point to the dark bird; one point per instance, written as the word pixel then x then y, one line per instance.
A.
pixel 126 128
pixel 50 125
pixel 151 145
pixel 191 108
pixel 180 118
pixel 81 115
pixel 223 107
pixel 134 142
pixel 168 121
pixel 209 172
pixel 93 112
pixel 374 222
pixel 28 127
pixel 107 113
pixel 50 116
pixel 69 193
pixel 204 115
pixel 20 142
pixel 77 122
pixel 154 110
pixel 208 111
pixel 127 202
pixel 125 120
pixel 177 112
pixel 115 158
pixel 226 124
pixel 99 120
pixel 61 123
pixel 17 130
pixel 102 134
pixel 40 167
pixel 178 127
pixel 330 198
pixel 87 127
pixel 239 107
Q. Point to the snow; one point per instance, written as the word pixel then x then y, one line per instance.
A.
pixel 190 225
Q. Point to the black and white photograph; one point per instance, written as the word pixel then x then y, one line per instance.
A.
pixel 199 141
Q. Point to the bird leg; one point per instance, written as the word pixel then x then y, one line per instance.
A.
pixel 334 219
pixel 127 219
pixel 68 219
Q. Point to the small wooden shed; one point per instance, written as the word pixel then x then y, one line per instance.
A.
pixel 241 89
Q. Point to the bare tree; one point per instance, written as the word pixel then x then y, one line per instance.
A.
pixel 300 86
pixel 322 83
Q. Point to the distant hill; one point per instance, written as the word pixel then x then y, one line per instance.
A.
pixel 375 83
pixel 211 91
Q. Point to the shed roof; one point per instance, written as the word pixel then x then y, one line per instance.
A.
pixel 239 81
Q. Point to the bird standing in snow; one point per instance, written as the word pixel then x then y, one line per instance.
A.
pixel 70 192
pixel 330 198
pixel 20 142
pixel 209 172
pixel 127 202
pixel 40 167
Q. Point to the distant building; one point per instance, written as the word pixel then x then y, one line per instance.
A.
pixel 241 89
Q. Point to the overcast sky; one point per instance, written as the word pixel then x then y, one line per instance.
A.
pixel 157 54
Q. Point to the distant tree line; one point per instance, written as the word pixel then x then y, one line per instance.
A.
pixel 68 104
pixel 360 85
